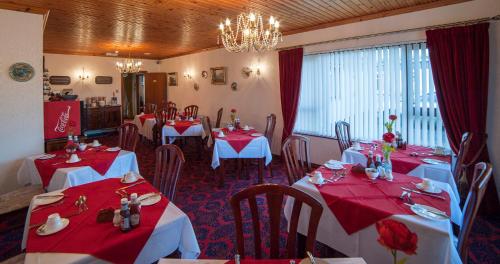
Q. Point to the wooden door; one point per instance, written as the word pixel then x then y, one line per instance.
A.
pixel 156 88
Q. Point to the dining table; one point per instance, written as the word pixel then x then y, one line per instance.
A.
pixel 97 163
pixel 355 207
pixel 415 160
pixel 240 144
pixel 182 128
pixel 163 227
pixel 145 124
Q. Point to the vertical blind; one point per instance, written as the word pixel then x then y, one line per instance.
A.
pixel 365 86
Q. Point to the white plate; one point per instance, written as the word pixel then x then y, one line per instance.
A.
pixel 113 149
pixel 65 222
pixel 334 166
pixel 366 141
pixel 122 179
pixel 434 161
pixel 44 199
pixel 357 148
pixel 46 156
pixel 71 162
pixel 94 145
pixel 427 212
pixel 433 189
pixel 256 134
pixel 149 198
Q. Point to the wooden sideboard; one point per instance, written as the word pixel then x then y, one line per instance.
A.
pixel 105 117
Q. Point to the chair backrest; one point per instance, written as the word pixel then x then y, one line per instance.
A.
pixel 207 126
pixel 128 134
pixel 150 108
pixel 161 118
pixel 343 133
pixel 297 157
pixel 482 174
pixel 219 117
pixel 168 168
pixel 191 111
pixel 274 196
pixel 463 151
pixel 270 125
pixel 171 113
pixel 171 104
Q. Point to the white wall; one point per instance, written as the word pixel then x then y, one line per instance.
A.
pixel 21 113
pixel 259 97
pixel 72 65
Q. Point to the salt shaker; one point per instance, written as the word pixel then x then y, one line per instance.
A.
pixel 237 259
pixel 117 218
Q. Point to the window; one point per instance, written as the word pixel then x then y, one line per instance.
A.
pixel 364 86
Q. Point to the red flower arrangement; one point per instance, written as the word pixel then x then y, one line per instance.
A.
pixel 393 117
pixel 396 236
pixel 233 110
pixel 388 137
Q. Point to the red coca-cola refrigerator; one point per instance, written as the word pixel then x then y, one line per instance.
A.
pixel 60 118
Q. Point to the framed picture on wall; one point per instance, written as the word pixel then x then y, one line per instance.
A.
pixel 172 79
pixel 219 75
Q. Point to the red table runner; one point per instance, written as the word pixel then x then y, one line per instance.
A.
pixel 143 118
pixel 401 160
pixel 96 158
pixel 238 139
pixel 357 203
pixel 85 236
pixel 182 125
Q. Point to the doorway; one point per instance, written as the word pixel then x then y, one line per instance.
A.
pixel 139 89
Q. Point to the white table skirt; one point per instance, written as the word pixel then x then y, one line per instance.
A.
pixel 145 129
pixel 257 148
pixel 440 173
pixel 173 231
pixel 171 133
pixel 67 177
pixel 435 238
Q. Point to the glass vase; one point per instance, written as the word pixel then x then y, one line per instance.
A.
pixel 387 165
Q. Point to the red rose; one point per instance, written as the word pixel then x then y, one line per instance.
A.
pixel 389 137
pixel 233 110
pixel 393 117
pixel 396 236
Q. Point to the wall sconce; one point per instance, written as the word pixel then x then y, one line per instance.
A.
pixel 247 71
pixel 83 76
pixel 188 75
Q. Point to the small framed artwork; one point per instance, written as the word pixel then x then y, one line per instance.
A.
pixel 103 80
pixel 219 75
pixel 172 78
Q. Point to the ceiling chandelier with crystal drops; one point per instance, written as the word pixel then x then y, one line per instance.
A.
pixel 250 33
pixel 129 65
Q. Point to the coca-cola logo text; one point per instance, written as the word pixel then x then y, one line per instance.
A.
pixel 62 122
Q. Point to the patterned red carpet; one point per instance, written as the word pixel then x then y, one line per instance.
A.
pixel 208 208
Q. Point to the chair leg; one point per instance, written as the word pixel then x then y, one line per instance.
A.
pixel 261 170
pixel 270 168
pixel 222 172
pixel 239 166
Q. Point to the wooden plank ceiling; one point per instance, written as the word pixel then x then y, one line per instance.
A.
pixel 166 28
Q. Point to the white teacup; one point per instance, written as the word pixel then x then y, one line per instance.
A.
pixel 96 143
pixel 221 133
pixel 318 177
pixel 356 144
pixel 246 127
pixel 82 146
pixel 54 222
pixel 191 119
pixel 371 173
pixel 130 176
pixel 74 158
pixel 231 128
pixel 427 184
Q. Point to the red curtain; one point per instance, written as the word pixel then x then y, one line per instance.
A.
pixel 460 64
pixel 290 63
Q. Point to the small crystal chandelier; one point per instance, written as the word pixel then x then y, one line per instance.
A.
pixel 250 33
pixel 128 65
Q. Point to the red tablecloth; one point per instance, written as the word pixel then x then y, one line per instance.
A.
pixel 357 203
pixel 401 160
pixel 143 118
pixel 264 261
pixel 182 125
pixel 96 158
pixel 238 139
pixel 85 236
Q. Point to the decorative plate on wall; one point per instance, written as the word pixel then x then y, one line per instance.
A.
pixel 204 74
pixel 234 86
pixel 21 72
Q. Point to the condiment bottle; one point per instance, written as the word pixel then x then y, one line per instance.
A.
pixel 378 161
pixel 125 216
pixel 135 210
pixel 117 218
pixel 370 163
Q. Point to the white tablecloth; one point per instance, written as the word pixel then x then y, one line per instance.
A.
pixel 435 238
pixel 441 172
pixel 173 231
pixel 145 129
pixel 67 177
pixel 171 133
pixel 257 148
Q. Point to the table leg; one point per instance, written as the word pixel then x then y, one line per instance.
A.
pixel 238 172
pixel 200 147
pixel 222 172
pixel 261 170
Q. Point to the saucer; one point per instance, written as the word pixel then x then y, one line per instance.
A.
pixel 256 134
pixel 433 189
pixel 71 162
pixel 46 156
pixel 113 149
pixel 334 165
pixel 48 198
pixel 149 198
pixel 41 232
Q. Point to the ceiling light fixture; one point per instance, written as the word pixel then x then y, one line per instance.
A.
pixel 128 65
pixel 250 33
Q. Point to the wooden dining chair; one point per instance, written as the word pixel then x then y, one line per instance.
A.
pixel 191 111
pixel 171 104
pixel 168 169
pixel 274 195
pixel 269 133
pixel 171 113
pixel 219 117
pixel 343 133
pixel 460 165
pixel 128 135
pixel 482 175
pixel 297 155
pixel 150 108
pixel 161 118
